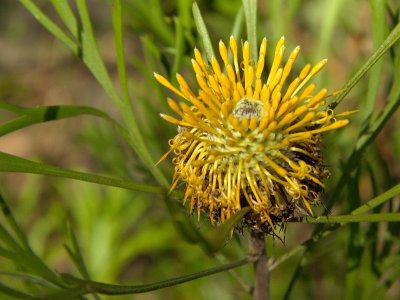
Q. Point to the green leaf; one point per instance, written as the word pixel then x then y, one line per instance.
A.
pixel 119 48
pixel 76 254
pixel 217 238
pixel 135 137
pixel 237 25
pixel 13 224
pixel 7 239
pixel 332 10
pixel 382 217
pixel 179 47
pixel 378 10
pixel 35 115
pixel 87 50
pixel 50 25
pixel 202 30
pixel 364 208
pixel 250 12
pixel 382 198
pixel 16 294
pixel 384 47
pixel 369 133
pixel 67 16
pixel 11 163
pixel 113 289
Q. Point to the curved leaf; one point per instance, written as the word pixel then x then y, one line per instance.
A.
pixel 11 163
pixel 41 114
pixel 112 289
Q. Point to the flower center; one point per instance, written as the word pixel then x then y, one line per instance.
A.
pixel 248 108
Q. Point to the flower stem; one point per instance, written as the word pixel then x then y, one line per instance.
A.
pixel 261 272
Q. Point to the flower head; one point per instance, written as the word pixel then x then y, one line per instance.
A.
pixel 248 138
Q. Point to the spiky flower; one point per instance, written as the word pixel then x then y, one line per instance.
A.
pixel 250 139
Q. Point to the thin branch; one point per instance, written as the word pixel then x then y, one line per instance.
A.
pixel 261 271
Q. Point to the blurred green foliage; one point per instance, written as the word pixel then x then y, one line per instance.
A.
pixel 133 236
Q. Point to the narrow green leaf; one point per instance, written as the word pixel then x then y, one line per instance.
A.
pixel 202 30
pixel 66 14
pixel 12 108
pixel 369 134
pixel 389 41
pixel 331 10
pixel 179 45
pixel 113 289
pixel 88 52
pixel 76 254
pixel 382 217
pixel 50 25
pixel 11 163
pixel 67 294
pixel 7 239
pixel 35 115
pixel 378 10
pixel 119 48
pixel 354 247
pixel 237 25
pixel 28 278
pixel 12 222
pixel 382 198
pixel 250 12
pixel 320 235
pixel 15 294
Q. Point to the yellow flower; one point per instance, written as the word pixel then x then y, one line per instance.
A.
pixel 250 139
